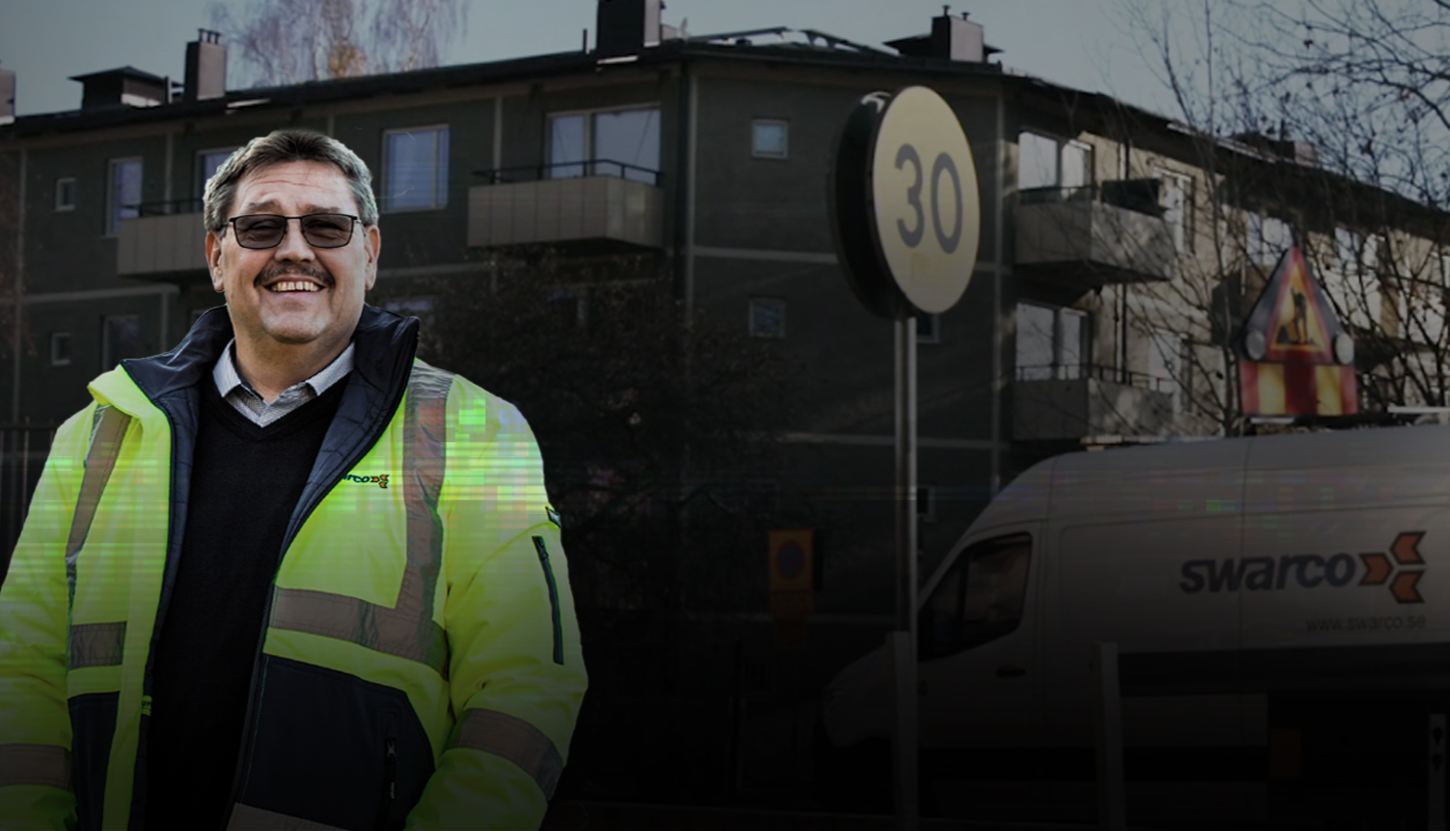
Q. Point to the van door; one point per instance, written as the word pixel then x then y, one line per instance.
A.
pixel 977 646
pixel 1137 583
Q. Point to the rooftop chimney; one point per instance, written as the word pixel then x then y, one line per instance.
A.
pixel 956 38
pixel 206 67
pixel 127 85
pixel 625 27
pixel 7 96
pixel 951 39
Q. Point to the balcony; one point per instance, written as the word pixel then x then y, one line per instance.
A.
pixel 165 238
pixel 1101 234
pixel 1062 402
pixel 597 206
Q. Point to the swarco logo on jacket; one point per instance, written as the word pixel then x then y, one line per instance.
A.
pixel 381 480
pixel 1400 568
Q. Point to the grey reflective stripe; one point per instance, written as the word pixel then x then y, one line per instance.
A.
pixel 425 423
pixel 96 645
pixel 391 631
pixel 407 629
pixel 250 818
pixel 514 739
pixel 108 428
pixel 35 764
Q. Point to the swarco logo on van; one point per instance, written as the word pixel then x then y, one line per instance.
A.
pixel 380 480
pixel 1400 569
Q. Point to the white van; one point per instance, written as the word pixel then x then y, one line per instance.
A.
pixel 1231 574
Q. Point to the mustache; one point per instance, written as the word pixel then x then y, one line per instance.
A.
pixel 276 271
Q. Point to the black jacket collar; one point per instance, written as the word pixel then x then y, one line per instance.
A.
pixel 382 360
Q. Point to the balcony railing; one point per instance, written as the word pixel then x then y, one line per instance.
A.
pixel 170 208
pixel 570 170
pixel 595 204
pixel 163 238
pixel 1069 402
pixel 1112 374
pixel 1095 234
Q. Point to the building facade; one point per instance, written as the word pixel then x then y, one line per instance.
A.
pixel 1119 251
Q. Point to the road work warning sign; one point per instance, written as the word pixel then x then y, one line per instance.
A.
pixel 1297 358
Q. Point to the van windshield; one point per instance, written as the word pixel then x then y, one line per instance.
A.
pixel 980 599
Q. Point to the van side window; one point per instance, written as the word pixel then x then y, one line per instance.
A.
pixel 979 600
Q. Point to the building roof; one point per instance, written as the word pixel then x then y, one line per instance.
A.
pixel 776 44
pixel 121 72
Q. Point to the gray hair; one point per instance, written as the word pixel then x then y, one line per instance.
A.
pixel 281 147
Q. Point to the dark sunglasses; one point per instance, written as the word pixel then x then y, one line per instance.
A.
pixel 267 230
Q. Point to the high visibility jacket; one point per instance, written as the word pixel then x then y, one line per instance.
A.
pixel 420 662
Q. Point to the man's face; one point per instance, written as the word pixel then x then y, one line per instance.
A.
pixel 294 293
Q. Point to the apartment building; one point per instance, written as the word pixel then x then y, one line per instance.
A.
pixel 1119 249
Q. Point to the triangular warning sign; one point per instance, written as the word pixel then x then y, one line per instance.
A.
pixel 1292 322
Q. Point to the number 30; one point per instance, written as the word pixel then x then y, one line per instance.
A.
pixel 943 164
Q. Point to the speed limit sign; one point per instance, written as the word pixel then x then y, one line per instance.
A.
pixel 907 209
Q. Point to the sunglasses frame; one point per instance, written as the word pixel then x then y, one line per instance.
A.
pixel 287 225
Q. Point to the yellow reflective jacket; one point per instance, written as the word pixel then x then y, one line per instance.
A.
pixel 420 666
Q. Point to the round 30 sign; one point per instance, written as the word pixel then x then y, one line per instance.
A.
pixel 907 209
pixel 924 188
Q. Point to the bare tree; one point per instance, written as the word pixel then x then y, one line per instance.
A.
pixel 659 439
pixel 659 431
pixel 1328 149
pixel 282 42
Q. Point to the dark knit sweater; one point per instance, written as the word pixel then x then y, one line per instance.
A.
pixel 245 485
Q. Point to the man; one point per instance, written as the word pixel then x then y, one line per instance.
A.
pixel 286 575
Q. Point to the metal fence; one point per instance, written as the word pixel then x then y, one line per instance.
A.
pixel 23 448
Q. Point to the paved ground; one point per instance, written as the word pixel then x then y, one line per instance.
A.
pixel 620 816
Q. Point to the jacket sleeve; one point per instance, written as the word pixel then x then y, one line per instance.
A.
pixel 516 673
pixel 35 730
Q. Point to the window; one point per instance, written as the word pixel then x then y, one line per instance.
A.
pixel 979 599
pixel 926 503
pixel 123 193
pixel 1268 238
pixel 207 162
pixel 1175 197
pixel 65 194
pixel 1355 252
pixel 767 317
pixel 1046 162
pixel 1076 170
pixel 60 349
pixel 1051 342
pixel 769 138
pixel 120 339
pixel 1037 165
pixel 928 328
pixel 1168 366
pixel 415 169
pixel 567 308
pixel 1346 248
pixel 623 143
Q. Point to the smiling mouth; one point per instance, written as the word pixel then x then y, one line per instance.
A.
pixel 293 286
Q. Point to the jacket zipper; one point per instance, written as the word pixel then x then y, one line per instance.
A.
pixel 390 781
pixel 553 599
pixel 249 724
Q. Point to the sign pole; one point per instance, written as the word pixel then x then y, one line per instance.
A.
pixel 907 222
pixel 906 544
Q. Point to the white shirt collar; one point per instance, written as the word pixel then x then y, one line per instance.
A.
pixel 227 378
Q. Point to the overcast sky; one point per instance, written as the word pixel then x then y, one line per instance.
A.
pixel 1081 43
